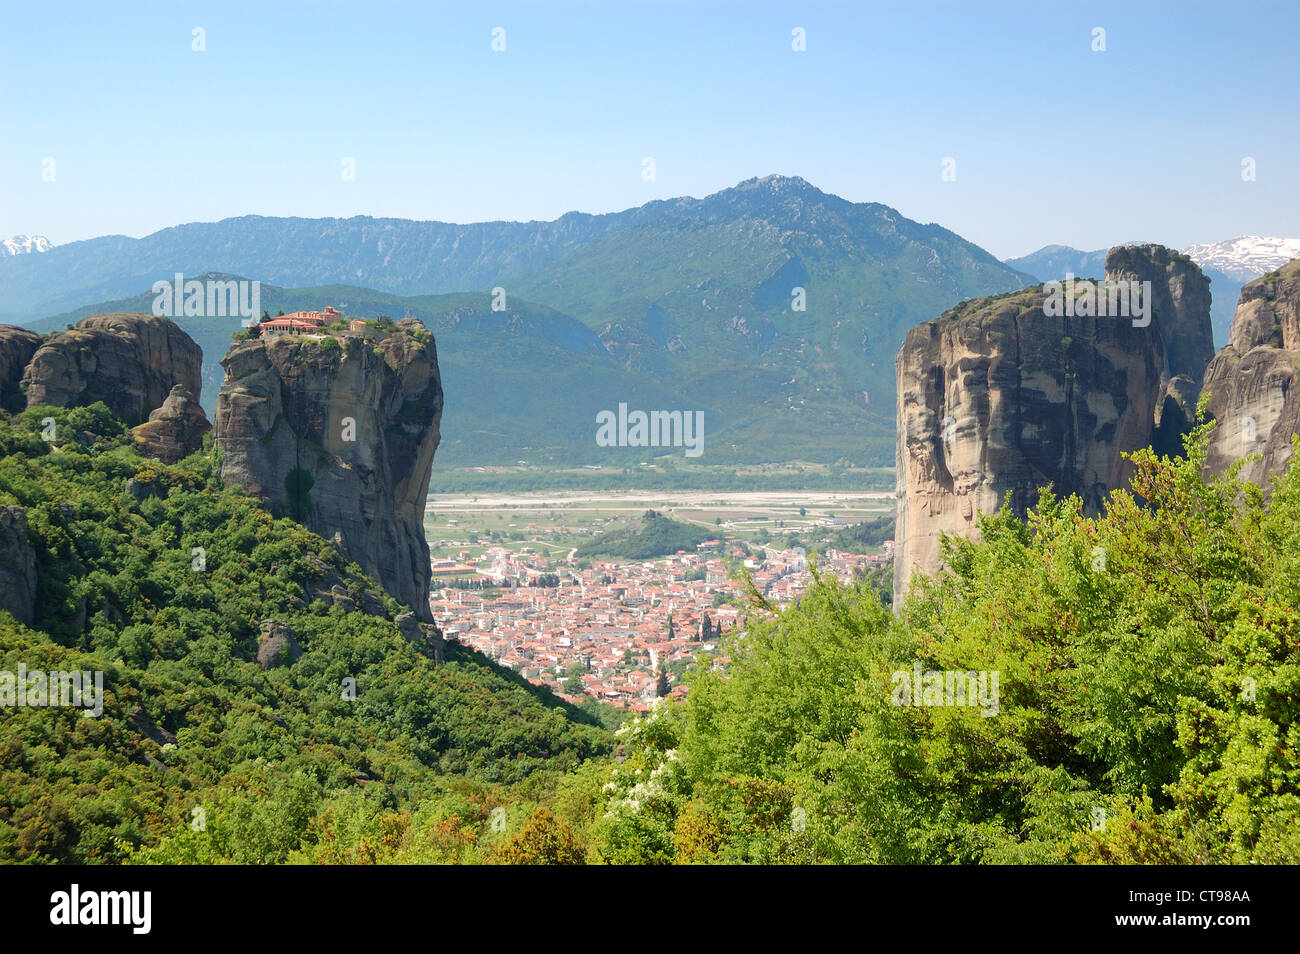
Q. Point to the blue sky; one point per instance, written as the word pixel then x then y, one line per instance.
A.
pixel 1053 142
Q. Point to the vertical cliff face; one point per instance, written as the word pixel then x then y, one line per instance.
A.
pixel 17 566
pixel 1252 381
pixel 17 345
pixel 1001 396
pixel 1182 299
pixel 130 362
pixel 1181 294
pixel 340 435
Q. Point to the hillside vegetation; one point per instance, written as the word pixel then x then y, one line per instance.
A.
pixel 272 762
pixel 655 536
pixel 1148 665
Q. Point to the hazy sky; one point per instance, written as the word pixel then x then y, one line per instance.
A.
pixel 1053 142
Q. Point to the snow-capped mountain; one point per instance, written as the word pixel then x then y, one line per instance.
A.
pixel 21 244
pixel 1247 257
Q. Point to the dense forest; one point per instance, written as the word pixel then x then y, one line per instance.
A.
pixel 162 579
pixel 1147 711
pixel 1145 708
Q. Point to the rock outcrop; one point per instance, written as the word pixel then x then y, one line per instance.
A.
pixel 277 645
pixel 17 345
pixel 130 362
pixel 426 635
pixel 1181 294
pixel 175 430
pixel 998 395
pixel 339 433
pixel 1252 381
pixel 17 566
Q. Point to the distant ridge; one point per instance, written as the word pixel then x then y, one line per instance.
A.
pixel 772 307
pixel 1051 262
pixel 402 256
pixel 1246 258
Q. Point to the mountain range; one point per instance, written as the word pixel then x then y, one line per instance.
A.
pixel 1245 259
pixel 677 304
pixel 773 307
pixel 1053 262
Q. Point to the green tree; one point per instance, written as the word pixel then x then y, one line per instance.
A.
pixel 543 840
pixel 573 680
pixel 297 487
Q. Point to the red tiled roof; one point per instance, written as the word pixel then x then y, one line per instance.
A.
pixel 289 323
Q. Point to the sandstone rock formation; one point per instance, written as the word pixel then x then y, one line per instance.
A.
pixel 277 645
pixel 340 434
pixel 331 587
pixel 175 430
pixel 1252 381
pixel 1182 299
pixel 17 566
pixel 17 345
pixel 427 635
pixel 142 490
pixel 996 396
pixel 130 362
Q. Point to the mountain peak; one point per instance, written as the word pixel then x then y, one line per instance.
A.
pixel 778 181
pixel 775 185
pixel 1247 256
pixel 22 244
pixel 785 198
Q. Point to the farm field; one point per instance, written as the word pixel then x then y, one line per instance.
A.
pixel 555 522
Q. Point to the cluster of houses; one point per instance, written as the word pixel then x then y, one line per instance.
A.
pixel 617 623
pixel 308 322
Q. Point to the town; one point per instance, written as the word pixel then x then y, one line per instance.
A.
pixel 624 632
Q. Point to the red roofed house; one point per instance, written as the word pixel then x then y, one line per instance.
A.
pixel 300 322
